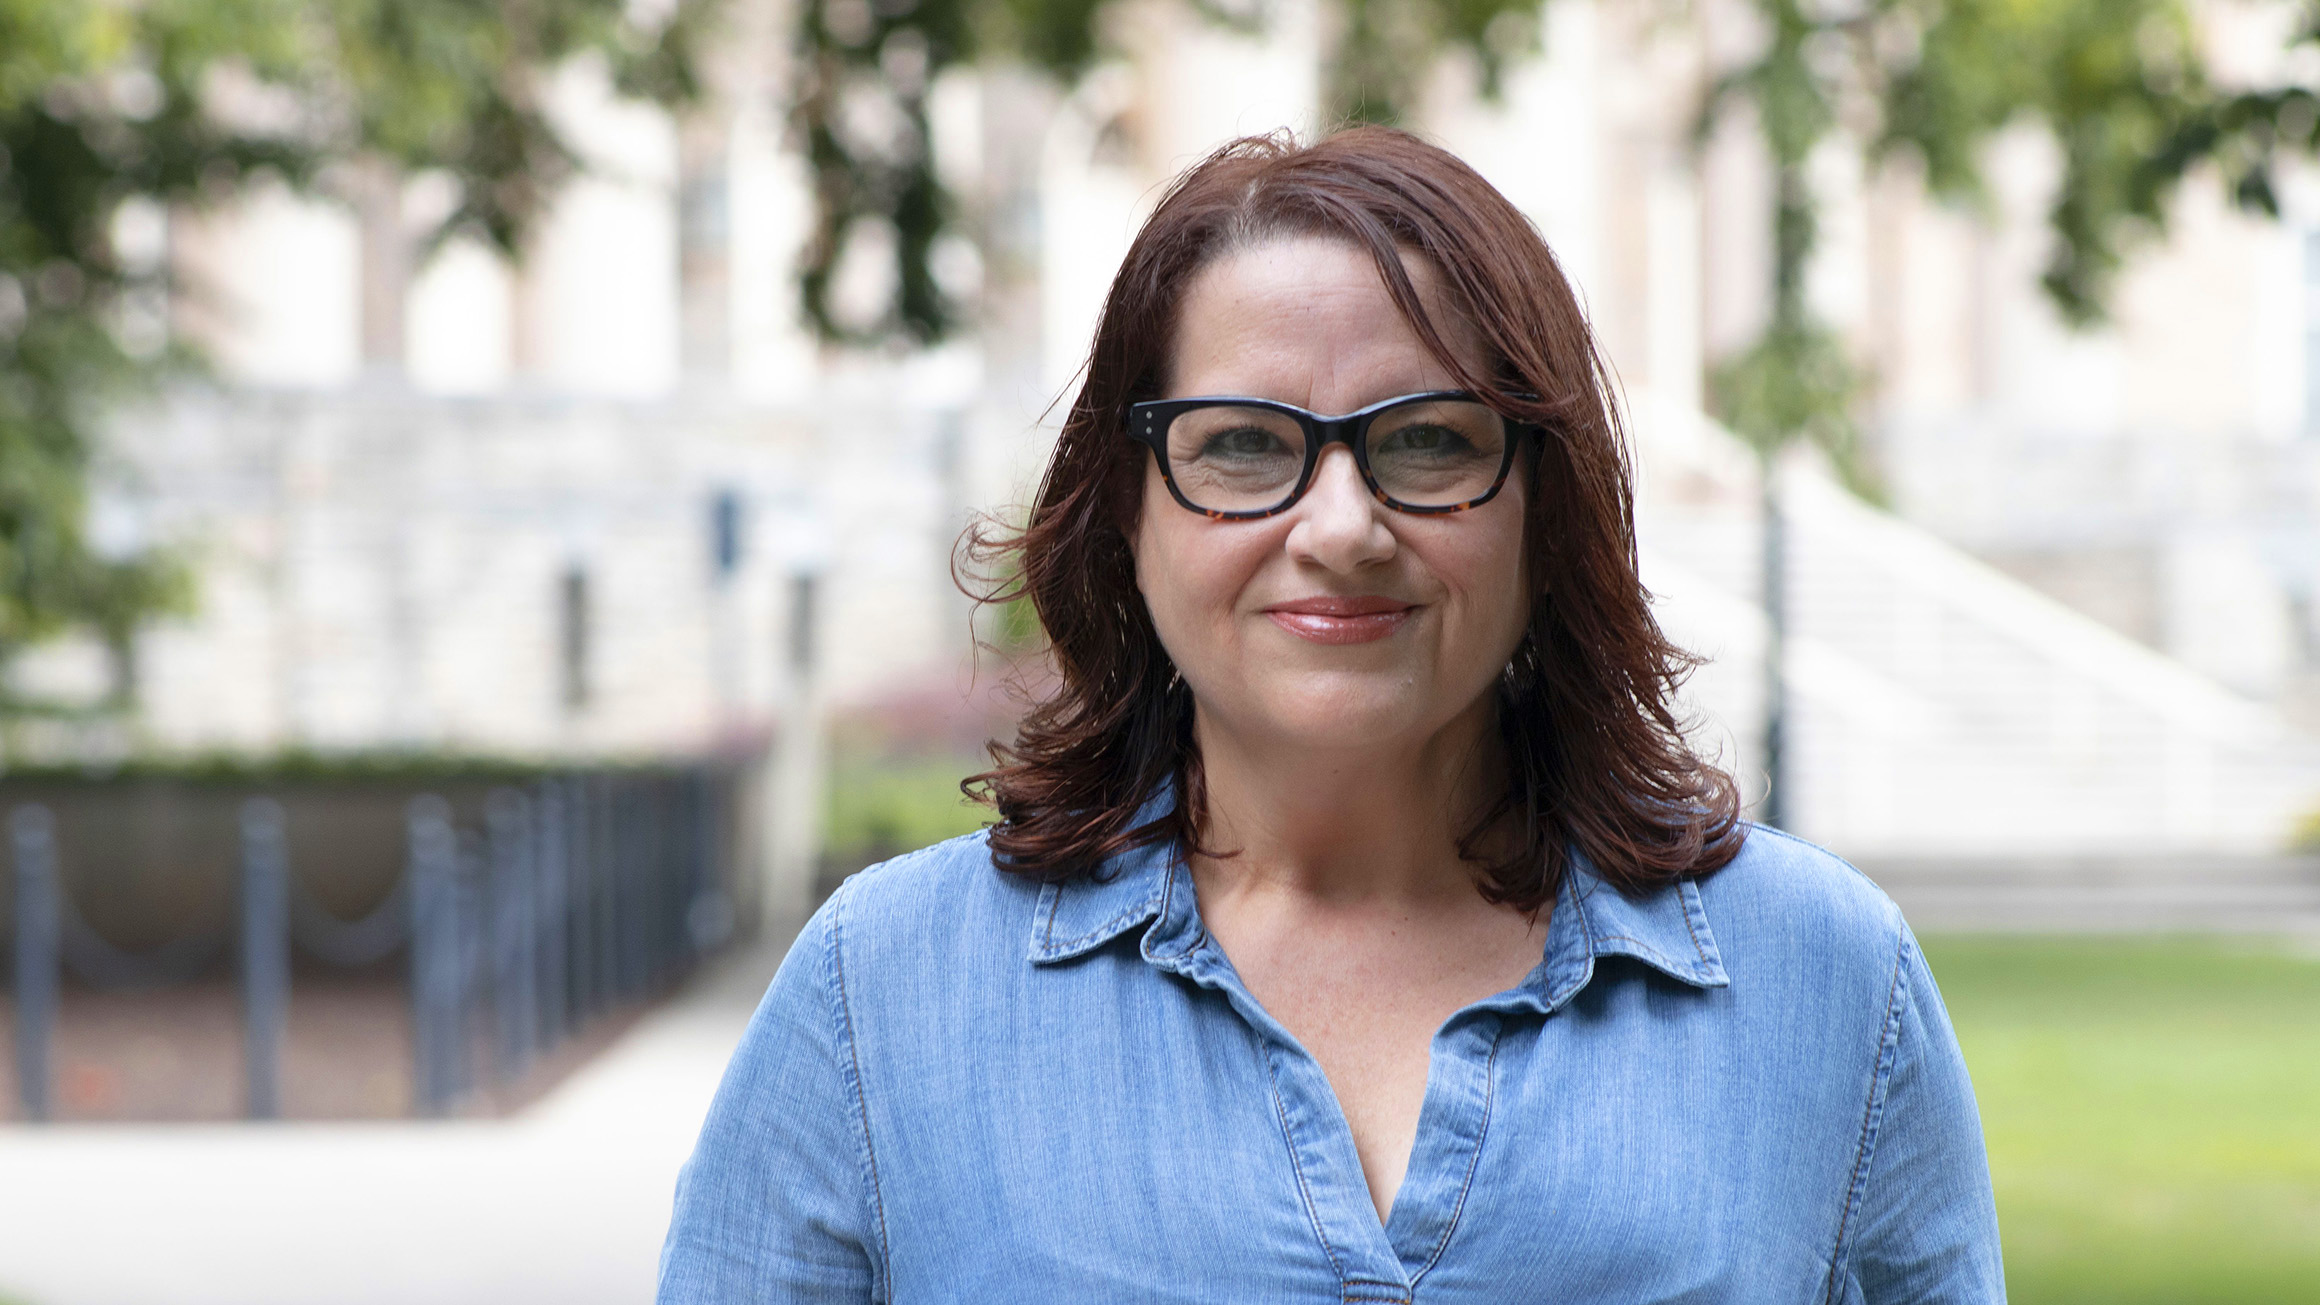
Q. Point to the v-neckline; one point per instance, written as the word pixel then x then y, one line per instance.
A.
pixel 1380 1261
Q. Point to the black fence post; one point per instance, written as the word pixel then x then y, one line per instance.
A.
pixel 472 890
pixel 580 900
pixel 656 886
pixel 551 847
pixel 32 832
pixel 723 837
pixel 664 878
pixel 636 884
pixel 265 953
pixel 685 876
pixel 692 846
pixel 619 825
pixel 514 965
pixel 708 901
pixel 437 1011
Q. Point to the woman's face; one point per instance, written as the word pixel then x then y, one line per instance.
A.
pixel 1341 623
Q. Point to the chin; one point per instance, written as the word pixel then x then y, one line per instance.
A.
pixel 1344 711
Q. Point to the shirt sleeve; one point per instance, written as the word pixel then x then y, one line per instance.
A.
pixel 777 1202
pixel 1927 1226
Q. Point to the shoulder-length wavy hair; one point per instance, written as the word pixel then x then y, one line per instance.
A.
pixel 1596 759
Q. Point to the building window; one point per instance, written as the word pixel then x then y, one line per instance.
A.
pixel 725 534
pixel 572 637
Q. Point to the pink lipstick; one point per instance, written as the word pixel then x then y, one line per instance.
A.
pixel 1341 620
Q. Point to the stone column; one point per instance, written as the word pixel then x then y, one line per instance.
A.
pixel 386 264
pixel 704 245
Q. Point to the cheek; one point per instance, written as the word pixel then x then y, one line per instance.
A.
pixel 1489 572
pixel 1191 572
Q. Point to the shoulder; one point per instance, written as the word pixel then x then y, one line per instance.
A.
pixel 942 906
pixel 1781 874
pixel 954 875
pixel 1785 901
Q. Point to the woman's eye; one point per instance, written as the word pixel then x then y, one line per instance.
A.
pixel 1244 442
pixel 1423 439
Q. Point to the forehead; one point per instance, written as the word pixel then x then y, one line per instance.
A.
pixel 1308 320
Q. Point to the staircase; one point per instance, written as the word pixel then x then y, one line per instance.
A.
pixel 1941 710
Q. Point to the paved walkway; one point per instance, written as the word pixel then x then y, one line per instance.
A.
pixel 564 1204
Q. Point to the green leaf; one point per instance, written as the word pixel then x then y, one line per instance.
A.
pixel 107 101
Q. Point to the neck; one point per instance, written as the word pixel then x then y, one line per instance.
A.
pixel 1348 824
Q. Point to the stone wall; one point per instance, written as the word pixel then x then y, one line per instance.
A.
pixel 528 574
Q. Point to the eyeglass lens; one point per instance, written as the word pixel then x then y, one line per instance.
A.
pixel 1425 453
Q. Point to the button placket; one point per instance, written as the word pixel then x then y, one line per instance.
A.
pixel 1329 1176
pixel 1453 1123
pixel 1374 1263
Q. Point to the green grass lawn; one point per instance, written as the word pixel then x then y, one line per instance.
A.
pixel 2153 1114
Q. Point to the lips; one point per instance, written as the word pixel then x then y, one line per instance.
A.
pixel 1341 620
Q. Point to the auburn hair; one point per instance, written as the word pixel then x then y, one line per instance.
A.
pixel 1596 757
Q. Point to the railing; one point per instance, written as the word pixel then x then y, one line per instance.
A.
pixel 563 899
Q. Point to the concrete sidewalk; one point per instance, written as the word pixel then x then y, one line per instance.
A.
pixel 564 1204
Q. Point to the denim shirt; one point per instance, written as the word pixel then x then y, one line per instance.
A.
pixel 966 1086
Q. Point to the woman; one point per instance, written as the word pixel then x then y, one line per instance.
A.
pixel 1357 926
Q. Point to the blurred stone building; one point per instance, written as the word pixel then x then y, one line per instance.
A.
pixel 617 499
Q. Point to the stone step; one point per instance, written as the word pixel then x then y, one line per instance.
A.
pixel 2199 893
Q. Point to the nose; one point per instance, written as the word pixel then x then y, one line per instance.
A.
pixel 1340 525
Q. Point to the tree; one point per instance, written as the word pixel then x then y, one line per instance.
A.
pixel 2118 83
pixel 864 71
pixel 113 105
pixel 97 106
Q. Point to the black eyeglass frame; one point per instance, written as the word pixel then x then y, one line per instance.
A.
pixel 1148 424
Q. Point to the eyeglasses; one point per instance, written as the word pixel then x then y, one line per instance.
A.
pixel 1239 459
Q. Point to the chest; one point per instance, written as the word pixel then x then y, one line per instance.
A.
pixel 1368 1027
pixel 1149 1137
pixel 1365 1001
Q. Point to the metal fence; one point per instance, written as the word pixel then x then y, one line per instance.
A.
pixel 569 896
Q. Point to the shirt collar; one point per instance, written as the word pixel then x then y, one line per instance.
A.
pixel 1666 930
pixel 1075 918
pixel 1129 889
